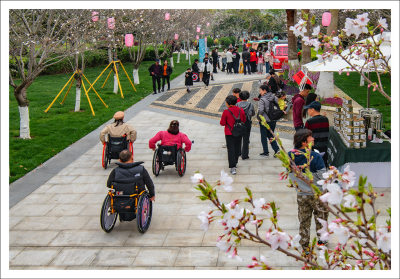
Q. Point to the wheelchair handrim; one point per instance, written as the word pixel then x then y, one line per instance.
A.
pixel 145 212
pixel 108 218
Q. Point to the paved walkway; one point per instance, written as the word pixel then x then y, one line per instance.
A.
pixel 57 226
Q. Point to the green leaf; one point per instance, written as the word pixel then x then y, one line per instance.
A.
pixel 249 193
pixel 316 189
pixel 313 20
pixel 203 198
pixel 349 209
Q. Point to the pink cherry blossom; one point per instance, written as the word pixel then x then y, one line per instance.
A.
pixel 383 240
pixel 197 178
pixel 323 232
pixel 278 239
pixel 258 204
pixel 205 220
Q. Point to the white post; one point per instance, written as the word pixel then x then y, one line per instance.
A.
pixel 135 74
pixel 179 56
pixel 77 99
pixel 362 81
pixel 325 87
pixel 172 61
pixel 24 132
pixel 186 52
pixel 115 84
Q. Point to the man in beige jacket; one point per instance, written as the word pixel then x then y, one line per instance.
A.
pixel 118 129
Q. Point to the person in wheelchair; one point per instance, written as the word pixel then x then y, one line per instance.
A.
pixel 128 196
pixel 171 150
pixel 171 137
pixel 118 129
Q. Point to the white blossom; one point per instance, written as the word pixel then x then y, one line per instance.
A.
pixel 320 60
pixel 203 216
pixel 226 181
pixel 382 23
pixel 278 239
pixel 335 41
pixel 342 234
pixel 349 200
pixel 348 178
pixel 323 232
pixel 258 205
pixel 316 30
pixel 196 178
pixel 222 245
pixel 233 216
pixel 295 241
pixel 383 240
pixel 362 19
pixel 334 196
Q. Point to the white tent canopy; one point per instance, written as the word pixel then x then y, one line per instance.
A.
pixel 338 64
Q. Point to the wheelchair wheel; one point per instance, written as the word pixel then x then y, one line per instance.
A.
pixel 156 163
pixel 144 211
pixel 104 158
pixel 107 219
pixel 181 162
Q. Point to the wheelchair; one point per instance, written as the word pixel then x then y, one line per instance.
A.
pixel 128 204
pixel 112 147
pixel 169 155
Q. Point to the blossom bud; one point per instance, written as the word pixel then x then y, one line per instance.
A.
pixel 359 261
pixel 371 264
pixel 382 194
pixel 254 258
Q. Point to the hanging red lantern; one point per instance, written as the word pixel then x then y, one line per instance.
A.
pixel 326 19
pixel 128 40
pixel 167 16
pixel 111 22
pixel 176 37
pixel 95 16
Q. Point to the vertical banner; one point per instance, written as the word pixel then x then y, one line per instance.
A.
pixel 202 50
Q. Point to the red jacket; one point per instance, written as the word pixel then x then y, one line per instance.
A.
pixel 253 56
pixel 228 120
pixel 170 140
pixel 298 103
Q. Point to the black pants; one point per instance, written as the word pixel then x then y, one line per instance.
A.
pixel 215 63
pixel 163 82
pixel 246 141
pixel 236 67
pixel 158 79
pixel 233 145
pixel 253 66
pixel 298 128
pixel 246 66
pixel 229 67
pixel 206 78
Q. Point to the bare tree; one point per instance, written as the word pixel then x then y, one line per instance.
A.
pixel 292 44
pixel 36 38
pixel 306 49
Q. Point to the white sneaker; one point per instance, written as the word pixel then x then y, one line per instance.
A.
pixel 223 145
pixel 233 170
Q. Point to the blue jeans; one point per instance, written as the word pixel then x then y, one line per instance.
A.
pixel 266 135
pixel 266 67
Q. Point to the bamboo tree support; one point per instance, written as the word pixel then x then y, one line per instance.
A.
pixel 113 69
pixel 70 82
pixel 66 94
pixel 87 96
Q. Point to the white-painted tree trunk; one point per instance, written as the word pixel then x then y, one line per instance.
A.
pixel 171 61
pixel 115 84
pixel 135 74
pixel 294 62
pixel 179 56
pixel 24 132
pixel 362 81
pixel 325 87
pixel 78 99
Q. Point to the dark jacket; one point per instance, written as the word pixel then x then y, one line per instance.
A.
pixel 275 83
pixel 214 55
pixel 298 103
pixel 263 104
pixel 246 56
pixel 317 167
pixel 156 69
pixel 195 68
pixel 131 174
pixel 169 70
pixel 189 78
pixel 248 109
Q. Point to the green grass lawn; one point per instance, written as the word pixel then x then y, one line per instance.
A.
pixel 54 131
pixel 351 86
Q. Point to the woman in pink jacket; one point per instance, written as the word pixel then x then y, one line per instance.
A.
pixel 171 137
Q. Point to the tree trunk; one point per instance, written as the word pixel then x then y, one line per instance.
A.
pixel 334 22
pixel 23 107
pixel 179 56
pixel 172 61
pixel 115 73
pixel 292 45
pixel 78 86
pixel 306 50
pixel 136 76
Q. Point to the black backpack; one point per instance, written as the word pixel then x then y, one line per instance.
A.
pixel 238 129
pixel 273 113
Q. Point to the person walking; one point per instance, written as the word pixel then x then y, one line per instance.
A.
pixel 274 82
pixel 188 79
pixel 248 109
pixel 263 109
pixel 269 60
pixel 228 119
pixel 214 56
pixel 205 69
pixel 223 58
pixel 246 62
pixel 166 73
pixel 253 60
pixel 155 71
pixel 307 203
pixel 260 63
pixel 229 61
pixel 298 102
pixel 319 126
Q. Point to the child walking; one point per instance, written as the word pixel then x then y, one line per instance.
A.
pixel 188 79
pixel 260 63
